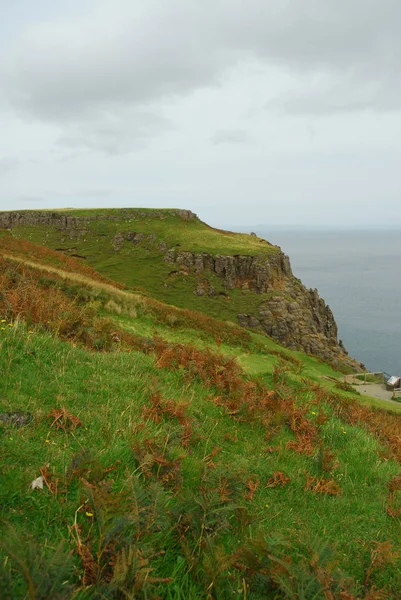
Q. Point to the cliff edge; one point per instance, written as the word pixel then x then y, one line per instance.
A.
pixel 179 259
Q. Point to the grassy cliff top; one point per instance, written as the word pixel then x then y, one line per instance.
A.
pixel 174 227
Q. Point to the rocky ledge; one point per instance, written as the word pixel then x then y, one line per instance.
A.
pixel 66 220
pixel 288 311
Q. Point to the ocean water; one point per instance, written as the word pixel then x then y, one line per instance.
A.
pixel 359 276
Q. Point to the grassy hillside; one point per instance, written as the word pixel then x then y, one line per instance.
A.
pixel 180 457
pixel 141 266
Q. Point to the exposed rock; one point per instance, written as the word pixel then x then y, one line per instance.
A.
pixel 134 237
pixel 65 220
pixel 17 418
pixel 288 311
pixel 185 215
pixel 261 273
pixel 204 288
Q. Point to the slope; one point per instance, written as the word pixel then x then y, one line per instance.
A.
pixel 180 457
pixel 180 260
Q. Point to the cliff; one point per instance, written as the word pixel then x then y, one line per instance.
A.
pixel 179 259
pixel 288 311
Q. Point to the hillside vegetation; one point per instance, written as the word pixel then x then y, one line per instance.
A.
pixel 140 265
pixel 153 452
pixel 174 257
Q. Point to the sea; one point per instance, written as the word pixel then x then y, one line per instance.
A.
pixel 358 273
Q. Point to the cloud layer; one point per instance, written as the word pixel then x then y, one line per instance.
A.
pixel 196 85
pixel 92 74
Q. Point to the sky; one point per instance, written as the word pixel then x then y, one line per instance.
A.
pixel 248 112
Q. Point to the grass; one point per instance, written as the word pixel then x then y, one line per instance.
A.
pixel 181 456
pixel 191 235
pixel 108 392
pixel 369 378
pixel 175 324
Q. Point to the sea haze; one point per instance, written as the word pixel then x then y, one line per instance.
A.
pixel 358 275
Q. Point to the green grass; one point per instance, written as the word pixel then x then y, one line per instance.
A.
pixel 107 392
pixel 148 504
pixel 261 357
pixel 191 235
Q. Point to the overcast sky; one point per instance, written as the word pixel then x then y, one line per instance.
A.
pixel 246 111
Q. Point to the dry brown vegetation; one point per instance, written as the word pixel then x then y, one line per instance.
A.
pixel 25 250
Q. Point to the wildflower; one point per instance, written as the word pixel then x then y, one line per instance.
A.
pixel 3 321
pixel 11 438
pixel 313 413
pixel 89 514
pixel 47 441
pixel 10 324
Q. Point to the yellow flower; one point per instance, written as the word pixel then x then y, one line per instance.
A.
pixel 313 413
pixel 3 321
pixel 88 514
pixel 10 324
pixel 11 439
pixel 47 441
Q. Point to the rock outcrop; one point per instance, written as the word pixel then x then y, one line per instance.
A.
pixel 260 273
pixel 288 311
pixel 62 220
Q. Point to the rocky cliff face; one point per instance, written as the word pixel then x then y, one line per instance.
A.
pixel 60 220
pixel 262 273
pixel 288 311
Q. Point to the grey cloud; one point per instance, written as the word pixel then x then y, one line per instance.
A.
pixel 31 199
pixel 84 193
pixel 71 156
pixel 113 133
pixel 229 136
pixel 320 35
pixel 347 92
pixel 8 164
pixel 60 71
pixel 81 75
pixel 95 193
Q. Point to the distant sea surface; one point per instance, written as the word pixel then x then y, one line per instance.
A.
pixel 359 276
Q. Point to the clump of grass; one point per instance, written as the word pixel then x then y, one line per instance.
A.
pixel 386 426
pixel 346 387
pixel 114 307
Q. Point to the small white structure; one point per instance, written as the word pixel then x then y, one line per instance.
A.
pixel 393 383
